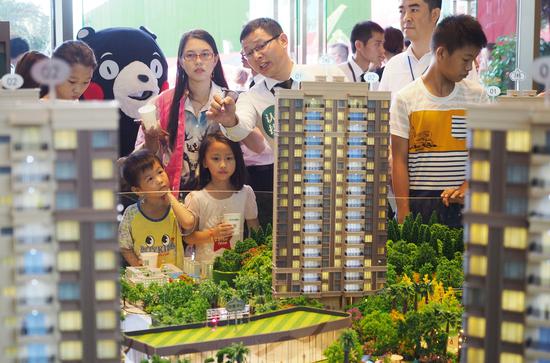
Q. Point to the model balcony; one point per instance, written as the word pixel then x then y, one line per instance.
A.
pixel 313 154
pixel 538 317
pixel 357 141
pixel 312 228
pixel 313 178
pixel 357 127
pixel 353 276
pixel 356 154
pixel 356 178
pixel 354 227
pixel 353 263
pixel 311 240
pixel 537 349
pixel 539 252
pixel 354 240
pixel 311 253
pixel 357 166
pixel 311 277
pixel 310 289
pixel 355 203
pixel 357 116
pixel 313 141
pixel 353 252
pixel 313 166
pixel 313 128
pixel 313 191
pixel 353 287
pixel 354 216
pixel 30 146
pixel 312 264
pixel 313 216
pixel 541 149
pixel 537 285
pixel 355 190
pixel 313 115
pixel 32 233
pixel 36 352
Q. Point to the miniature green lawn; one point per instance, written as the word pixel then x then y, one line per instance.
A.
pixel 274 324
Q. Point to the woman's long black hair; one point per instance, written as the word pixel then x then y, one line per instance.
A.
pixel 182 81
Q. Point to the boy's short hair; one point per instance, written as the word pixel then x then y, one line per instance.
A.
pixel 458 31
pixel 269 25
pixel 433 4
pixel 136 163
pixel 362 31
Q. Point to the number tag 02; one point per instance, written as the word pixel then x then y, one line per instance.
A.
pixel 371 77
pixel 12 81
pixel 50 71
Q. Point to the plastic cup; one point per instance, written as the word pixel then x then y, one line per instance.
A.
pixel 148 115
pixel 150 259
pixel 235 220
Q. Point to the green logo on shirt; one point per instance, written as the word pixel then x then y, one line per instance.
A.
pixel 268 121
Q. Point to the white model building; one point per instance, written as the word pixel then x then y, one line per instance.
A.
pixel 330 191
pixel 59 255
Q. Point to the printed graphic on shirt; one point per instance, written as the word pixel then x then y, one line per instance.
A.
pixel 268 121
pixel 194 133
pixel 437 149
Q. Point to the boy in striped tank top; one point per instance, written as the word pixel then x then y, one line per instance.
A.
pixel 428 129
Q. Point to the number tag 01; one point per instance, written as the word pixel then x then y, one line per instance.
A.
pixel 11 81
pixel 50 71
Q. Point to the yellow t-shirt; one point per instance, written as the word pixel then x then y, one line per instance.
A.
pixel 143 234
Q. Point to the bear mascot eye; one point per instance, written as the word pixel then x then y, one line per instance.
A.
pixel 108 69
pixel 149 241
pixel 165 239
pixel 156 68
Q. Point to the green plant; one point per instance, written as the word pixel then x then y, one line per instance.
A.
pixel 503 61
pixel 229 261
pixel 243 246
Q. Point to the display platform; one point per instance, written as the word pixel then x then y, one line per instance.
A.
pixel 274 327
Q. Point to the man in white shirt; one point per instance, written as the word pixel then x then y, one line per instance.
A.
pixel 265 47
pixel 367 45
pixel 418 20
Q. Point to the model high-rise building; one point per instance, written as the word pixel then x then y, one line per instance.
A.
pixel 59 255
pixel 330 203
pixel 507 234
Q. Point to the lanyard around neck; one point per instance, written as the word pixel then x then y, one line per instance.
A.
pixel 352 72
pixel 411 68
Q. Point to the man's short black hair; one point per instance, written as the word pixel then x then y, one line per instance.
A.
pixel 269 25
pixel 363 32
pixel 458 31
pixel 18 46
pixel 433 4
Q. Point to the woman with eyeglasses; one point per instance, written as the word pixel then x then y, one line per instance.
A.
pixel 181 111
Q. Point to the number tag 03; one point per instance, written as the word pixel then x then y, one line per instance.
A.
pixel 11 81
pixel 50 71
pixel 541 71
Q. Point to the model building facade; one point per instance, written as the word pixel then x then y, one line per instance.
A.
pixel 330 191
pixel 507 234
pixel 59 260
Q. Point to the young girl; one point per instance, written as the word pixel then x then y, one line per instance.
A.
pixel 155 223
pixel 181 111
pixel 81 59
pixel 223 198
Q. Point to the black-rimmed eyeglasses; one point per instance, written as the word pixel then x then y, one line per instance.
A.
pixel 258 48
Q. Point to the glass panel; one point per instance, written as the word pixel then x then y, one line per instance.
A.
pixel 70 320
pixel 102 169
pixel 69 291
pixel 66 200
pixel 104 230
pixel 65 139
pixel 106 320
pixel 103 199
pixel 70 350
pixel 65 170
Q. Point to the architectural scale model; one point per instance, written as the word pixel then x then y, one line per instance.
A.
pixel 331 166
pixel 294 335
pixel 507 234
pixel 58 230
pixel 147 275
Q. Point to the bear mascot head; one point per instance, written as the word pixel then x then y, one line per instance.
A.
pixel 131 69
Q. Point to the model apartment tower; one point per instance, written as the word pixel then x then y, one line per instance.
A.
pixel 58 231
pixel 330 191
pixel 507 234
